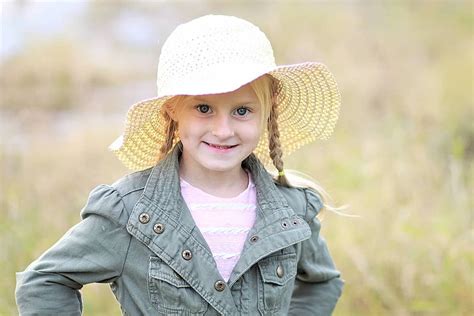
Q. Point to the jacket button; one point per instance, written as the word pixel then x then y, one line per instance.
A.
pixel 159 228
pixel 279 271
pixel 144 218
pixel 219 285
pixel 254 239
pixel 187 254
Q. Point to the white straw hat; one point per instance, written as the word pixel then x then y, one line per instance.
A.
pixel 217 54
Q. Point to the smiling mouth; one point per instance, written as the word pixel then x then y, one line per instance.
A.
pixel 220 146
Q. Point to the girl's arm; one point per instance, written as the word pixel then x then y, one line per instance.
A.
pixel 92 251
pixel 318 285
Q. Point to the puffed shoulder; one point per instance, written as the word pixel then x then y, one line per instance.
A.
pixel 117 200
pixel 314 203
pixel 105 201
pixel 306 202
pixel 132 182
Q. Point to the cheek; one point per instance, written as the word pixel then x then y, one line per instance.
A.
pixel 254 132
pixel 189 129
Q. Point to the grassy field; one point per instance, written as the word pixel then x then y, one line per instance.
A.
pixel 401 157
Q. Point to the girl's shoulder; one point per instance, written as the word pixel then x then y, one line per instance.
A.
pixel 305 201
pixel 133 182
pixel 117 200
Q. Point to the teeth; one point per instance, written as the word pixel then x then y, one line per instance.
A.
pixel 219 146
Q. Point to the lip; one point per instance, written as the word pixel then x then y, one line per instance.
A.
pixel 220 148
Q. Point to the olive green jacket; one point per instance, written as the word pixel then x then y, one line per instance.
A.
pixel 139 236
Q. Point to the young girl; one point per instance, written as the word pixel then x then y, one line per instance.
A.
pixel 202 228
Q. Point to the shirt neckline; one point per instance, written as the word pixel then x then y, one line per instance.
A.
pixel 245 192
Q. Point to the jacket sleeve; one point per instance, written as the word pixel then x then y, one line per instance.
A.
pixel 92 251
pixel 318 285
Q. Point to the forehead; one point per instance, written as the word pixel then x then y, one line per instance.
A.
pixel 244 94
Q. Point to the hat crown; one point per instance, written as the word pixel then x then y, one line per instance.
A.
pixel 212 54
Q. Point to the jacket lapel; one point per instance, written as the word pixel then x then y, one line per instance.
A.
pixel 277 225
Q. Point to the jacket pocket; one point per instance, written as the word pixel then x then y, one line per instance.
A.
pixel 170 294
pixel 275 287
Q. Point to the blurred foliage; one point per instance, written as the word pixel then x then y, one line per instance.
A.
pixel 54 74
pixel 401 157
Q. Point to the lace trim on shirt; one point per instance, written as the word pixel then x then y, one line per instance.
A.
pixel 222 206
pixel 228 230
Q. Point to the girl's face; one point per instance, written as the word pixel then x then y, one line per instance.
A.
pixel 218 131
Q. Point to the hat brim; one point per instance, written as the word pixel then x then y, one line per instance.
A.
pixel 308 106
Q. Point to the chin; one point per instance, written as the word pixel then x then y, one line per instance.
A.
pixel 221 168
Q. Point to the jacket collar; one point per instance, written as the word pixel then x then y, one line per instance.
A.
pixel 163 187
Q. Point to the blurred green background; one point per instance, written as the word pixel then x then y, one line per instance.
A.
pixel 401 156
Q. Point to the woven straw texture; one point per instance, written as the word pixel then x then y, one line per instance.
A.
pixel 217 54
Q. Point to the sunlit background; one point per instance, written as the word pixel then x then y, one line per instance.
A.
pixel 401 156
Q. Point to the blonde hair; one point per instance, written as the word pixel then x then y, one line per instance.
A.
pixel 266 90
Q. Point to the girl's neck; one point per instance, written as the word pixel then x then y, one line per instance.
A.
pixel 224 184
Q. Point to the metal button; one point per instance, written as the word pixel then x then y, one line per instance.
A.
pixel 159 228
pixel 280 271
pixel 253 239
pixel 219 285
pixel 187 254
pixel 144 218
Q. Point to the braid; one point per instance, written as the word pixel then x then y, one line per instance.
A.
pixel 170 130
pixel 274 142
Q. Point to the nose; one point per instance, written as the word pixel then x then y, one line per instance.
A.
pixel 222 127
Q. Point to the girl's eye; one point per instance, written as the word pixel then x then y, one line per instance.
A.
pixel 203 108
pixel 242 111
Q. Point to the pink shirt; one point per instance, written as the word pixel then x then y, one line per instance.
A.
pixel 224 222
